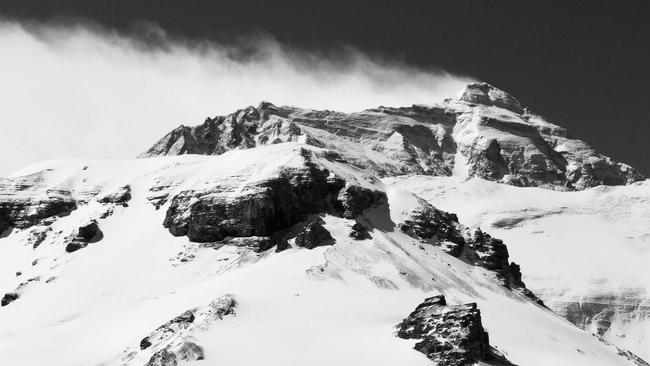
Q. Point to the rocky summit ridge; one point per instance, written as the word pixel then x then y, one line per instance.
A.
pixel 481 132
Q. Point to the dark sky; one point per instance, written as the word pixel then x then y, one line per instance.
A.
pixel 582 64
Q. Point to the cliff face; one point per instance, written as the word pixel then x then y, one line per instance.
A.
pixel 483 132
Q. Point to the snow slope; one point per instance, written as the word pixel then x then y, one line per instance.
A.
pixel 331 305
pixel 584 253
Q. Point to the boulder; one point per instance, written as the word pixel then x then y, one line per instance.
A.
pixel 90 233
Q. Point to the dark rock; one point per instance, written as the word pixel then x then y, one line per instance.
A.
pixel 440 228
pixel 314 235
pixel 435 227
pixel 164 357
pixel 23 213
pixel 490 253
pixel 85 235
pixel 144 343
pixel 281 244
pixel 190 351
pixel 8 298
pixel 355 200
pixel 359 232
pixel 183 319
pixel 449 335
pixel 267 207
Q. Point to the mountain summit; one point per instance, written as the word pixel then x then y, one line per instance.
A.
pixel 483 132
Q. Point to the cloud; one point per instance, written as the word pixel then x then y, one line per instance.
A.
pixel 78 90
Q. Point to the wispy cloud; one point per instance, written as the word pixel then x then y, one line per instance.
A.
pixel 78 90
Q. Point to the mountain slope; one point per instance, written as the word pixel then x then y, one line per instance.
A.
pixel 333 304
pixel 267 236
pixel 584 253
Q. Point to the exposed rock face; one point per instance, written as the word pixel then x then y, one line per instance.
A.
pixel 359 232
pixel 483 132
pixel 24 212
pixel 85 235
pixel 486 94
pixel 314 235
pixel 449 335
pixel 442 229
pixel 436 227
pixel 490 253
pixel 173 342
pixel 355 200
pixel 262 208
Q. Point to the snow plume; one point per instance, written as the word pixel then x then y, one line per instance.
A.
pixel 79 90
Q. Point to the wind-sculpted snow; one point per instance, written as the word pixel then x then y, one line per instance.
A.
pixel 483 132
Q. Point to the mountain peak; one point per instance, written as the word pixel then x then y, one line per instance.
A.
pixel 486 94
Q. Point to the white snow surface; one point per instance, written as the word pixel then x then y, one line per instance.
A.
pixel 331 305
pixel 572 246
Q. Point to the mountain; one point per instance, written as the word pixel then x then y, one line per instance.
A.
pixel 483 132
pixel 284 236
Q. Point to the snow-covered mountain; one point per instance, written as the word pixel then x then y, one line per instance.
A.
pixel 285 236
pixel 483 132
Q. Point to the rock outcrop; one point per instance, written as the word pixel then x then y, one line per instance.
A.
pixel 435 227
pixel 442 229
pixel 173 342
pixel 483 132
pixel 449 335
pixel 260 210
pixel 25 212
pixel 8 298
pixel 314 235
pixel 359 232
pixel 264 207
